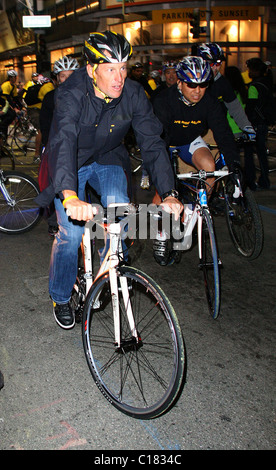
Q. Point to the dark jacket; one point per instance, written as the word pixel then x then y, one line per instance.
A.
pixel 46 115
pixel 183 124
pixel 86 129
pixel 261 109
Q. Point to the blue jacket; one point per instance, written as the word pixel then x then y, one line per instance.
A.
pixel 86 129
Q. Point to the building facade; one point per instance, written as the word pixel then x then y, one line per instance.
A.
pixel 157 30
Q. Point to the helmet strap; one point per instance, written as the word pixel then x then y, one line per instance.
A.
pixel 185 101
pixel 106 98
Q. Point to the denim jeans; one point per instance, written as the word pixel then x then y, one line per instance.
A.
pixel 110 182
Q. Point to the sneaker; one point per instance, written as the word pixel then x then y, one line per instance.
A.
pixel 63 315
pixel 52 230
pixel 145 184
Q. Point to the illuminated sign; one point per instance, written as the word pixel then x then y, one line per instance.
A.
pixel 36 21
pixel 217 13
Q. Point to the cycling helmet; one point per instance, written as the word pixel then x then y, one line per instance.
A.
pixel 137 65
pixel 12 73
pixel 65 63
pixel 189 67
pixel 155 74
pixel 35 74
pixel 107 47
pixel 211 52
pixel 41 79
pixel 169 64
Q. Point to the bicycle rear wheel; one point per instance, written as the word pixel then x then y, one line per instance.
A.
pixel 18 210
pixel 143 379
pixel 209 263
pixel 23 143
pixel 245 224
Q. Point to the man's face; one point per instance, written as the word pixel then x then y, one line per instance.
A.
pixel 216 68
pixel 193 95
pixel 137 72
pixel 62 76
pixel 13 80
pixel 110 78
pixel 170 77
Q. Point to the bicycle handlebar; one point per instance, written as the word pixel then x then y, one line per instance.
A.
pixel 107 215
pixel 202 174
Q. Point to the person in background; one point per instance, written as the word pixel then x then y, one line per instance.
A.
pixel 29 83
pixel 170 78
pixel 137 74
pixel 7 115
pixel 234 76
pixel 260 108
pixel 63 68
pixel 221 89
pixel 9 91
pixel 155 79
pixel 33 110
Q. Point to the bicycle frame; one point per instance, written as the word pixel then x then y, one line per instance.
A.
pixel 201 202
pixel 109 264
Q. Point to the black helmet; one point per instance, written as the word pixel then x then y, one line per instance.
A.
pixel 256 64
pixel 211 52
pixel 107 47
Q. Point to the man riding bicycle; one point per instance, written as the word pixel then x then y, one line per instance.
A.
pixel 187 112
pixel 94 109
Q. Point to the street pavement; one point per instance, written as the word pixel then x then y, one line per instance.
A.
pixel 50 402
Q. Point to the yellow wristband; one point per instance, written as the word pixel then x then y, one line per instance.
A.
pixel 68 199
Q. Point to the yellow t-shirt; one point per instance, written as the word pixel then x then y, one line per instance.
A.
pixel 45 88
pixel 246 77
pixel 9 89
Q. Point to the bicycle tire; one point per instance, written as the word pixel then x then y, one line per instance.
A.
pixel 22 214
pixel 22 143
pixel 141 380
pixel 209 264
pixel 6 159
pixel 245 226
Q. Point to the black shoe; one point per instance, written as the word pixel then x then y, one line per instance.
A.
pixel 64 315
pixel 52 230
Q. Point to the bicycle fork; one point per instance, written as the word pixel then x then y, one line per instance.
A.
pixel 10 201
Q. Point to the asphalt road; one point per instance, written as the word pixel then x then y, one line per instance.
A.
pixel 49 400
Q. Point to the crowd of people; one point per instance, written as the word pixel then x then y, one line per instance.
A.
pixel 84 116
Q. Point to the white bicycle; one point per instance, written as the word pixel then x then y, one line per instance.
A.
pixel 131 335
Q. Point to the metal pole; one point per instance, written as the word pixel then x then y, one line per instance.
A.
pixel 208 17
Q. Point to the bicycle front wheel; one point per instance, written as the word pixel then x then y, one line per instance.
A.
pixel 18 210
pixel 141 378
pixel 209 263
pixel 245 225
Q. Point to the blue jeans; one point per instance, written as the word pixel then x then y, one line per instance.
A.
pixel 110 182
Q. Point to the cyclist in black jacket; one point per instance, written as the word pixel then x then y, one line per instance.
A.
pixel 94 109
pixel 187 112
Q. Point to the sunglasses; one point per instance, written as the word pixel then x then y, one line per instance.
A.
pixel 195 85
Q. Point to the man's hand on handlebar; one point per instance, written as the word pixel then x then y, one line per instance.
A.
pixel 173 206
pixel 77 209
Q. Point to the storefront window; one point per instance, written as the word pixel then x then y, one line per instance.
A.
pixel 58 53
